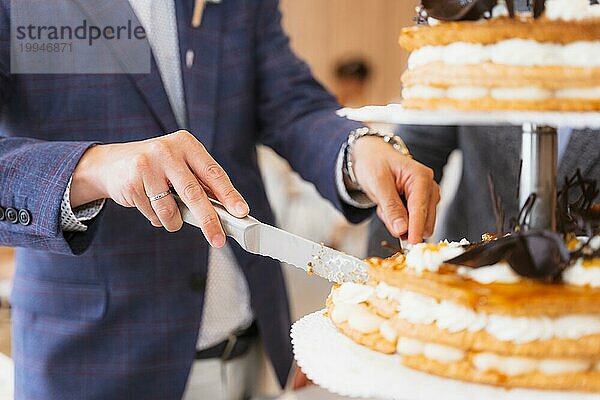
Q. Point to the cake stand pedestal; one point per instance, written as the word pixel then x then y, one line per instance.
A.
pixel 538 174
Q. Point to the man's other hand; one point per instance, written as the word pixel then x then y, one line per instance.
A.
pixel 385 174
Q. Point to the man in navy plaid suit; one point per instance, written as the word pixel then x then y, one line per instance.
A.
pixel 107 306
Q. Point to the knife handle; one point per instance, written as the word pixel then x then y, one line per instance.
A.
pixel 237 228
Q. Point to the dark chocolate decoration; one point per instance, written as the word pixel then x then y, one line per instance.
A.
pixel 472 10
pixel 575 206
pixel 458 10
pixel 541 254
pixel 498 210
pixel 510 4
pixel 485 253
pixel 535 254
pixel 538 7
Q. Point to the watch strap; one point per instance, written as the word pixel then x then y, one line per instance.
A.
pixel 395 141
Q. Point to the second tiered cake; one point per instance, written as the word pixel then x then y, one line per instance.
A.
pixel 547 64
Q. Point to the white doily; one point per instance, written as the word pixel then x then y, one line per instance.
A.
pixel 339 365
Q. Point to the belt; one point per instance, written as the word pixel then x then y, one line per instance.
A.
pixel 236 345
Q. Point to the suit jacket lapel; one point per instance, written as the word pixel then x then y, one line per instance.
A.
pixel 149 86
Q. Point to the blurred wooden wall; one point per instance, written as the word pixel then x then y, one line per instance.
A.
pixel 6 262
pixel 323 31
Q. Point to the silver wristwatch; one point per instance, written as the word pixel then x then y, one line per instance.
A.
pixel 356 134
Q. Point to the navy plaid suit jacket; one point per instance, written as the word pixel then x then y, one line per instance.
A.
pixel 112 313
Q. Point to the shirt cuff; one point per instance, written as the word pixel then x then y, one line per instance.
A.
pixel 354 198
pixel 71 220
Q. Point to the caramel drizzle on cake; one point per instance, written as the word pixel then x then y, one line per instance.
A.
pixel 496 30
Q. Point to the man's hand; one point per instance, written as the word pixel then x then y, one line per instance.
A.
pixel 385 174
pixel 130 173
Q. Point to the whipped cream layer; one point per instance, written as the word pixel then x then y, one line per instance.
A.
pixel 571 10
pixel 360 318
pixel 497 273
pixel 507 365
pixel 349 306
pixel 522 52
pixel 530 93
pixel 452 317
pixel 585 272
pixel 582 274
pixel 429 257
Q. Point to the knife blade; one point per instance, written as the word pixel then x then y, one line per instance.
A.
pixel 266 240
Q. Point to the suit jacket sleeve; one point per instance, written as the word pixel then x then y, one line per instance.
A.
pixel 296 115
pixel 34 175
pixel 430 145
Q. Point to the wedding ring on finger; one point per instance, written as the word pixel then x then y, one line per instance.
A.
pixel 160 195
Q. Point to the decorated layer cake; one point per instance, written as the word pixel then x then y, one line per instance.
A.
pixel 485 325
pixel 485 55
pixel 518 309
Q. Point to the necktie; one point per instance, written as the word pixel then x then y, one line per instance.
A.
pixel 159 19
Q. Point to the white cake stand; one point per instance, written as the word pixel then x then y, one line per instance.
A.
pixel 539 144
pixel 341 366
pixel 338 364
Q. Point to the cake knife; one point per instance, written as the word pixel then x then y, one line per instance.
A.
pixel 266 240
